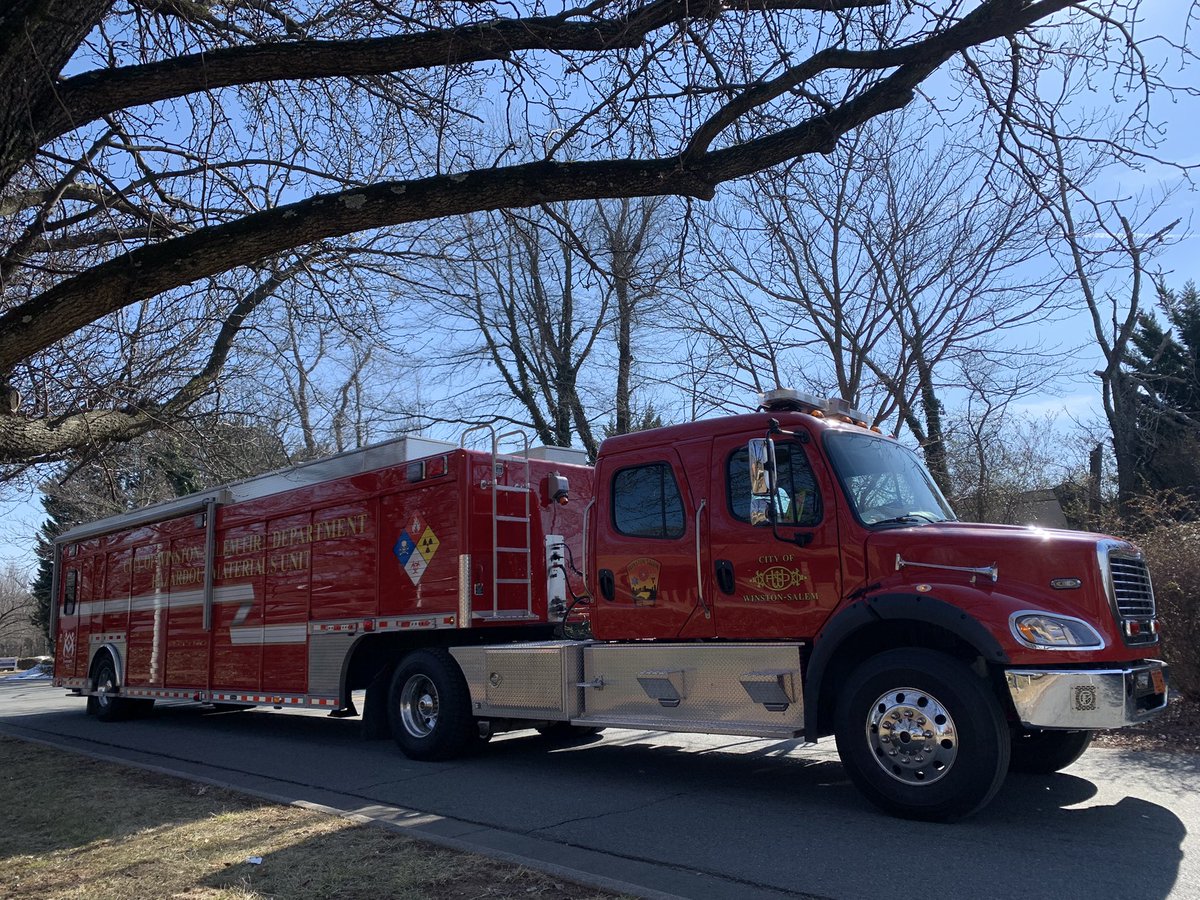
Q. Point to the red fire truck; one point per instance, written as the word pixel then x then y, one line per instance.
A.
pixel 788 573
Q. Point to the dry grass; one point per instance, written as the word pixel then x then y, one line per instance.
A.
pixel 1175 730
pixel 76 827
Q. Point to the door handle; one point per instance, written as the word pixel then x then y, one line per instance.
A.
pixel 725 579
pixel 608 585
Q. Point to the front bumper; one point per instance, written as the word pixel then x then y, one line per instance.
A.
pixel 1080 699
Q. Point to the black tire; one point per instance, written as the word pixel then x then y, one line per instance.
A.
pixel 429 707
pixel 922 735
pixel 1043 752
pixel 565 731
pixel 107 707
pixel 140 708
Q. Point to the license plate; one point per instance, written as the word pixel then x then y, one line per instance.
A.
pixel 1160 683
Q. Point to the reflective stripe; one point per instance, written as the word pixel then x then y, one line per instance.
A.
pixel 269 634
pixel 230 593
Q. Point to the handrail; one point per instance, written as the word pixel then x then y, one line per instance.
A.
pixel 699 562
pixel 210 561
pixel 587 510
pixel 462 438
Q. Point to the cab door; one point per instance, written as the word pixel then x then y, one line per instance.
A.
pixel 649 583
pixel 767 587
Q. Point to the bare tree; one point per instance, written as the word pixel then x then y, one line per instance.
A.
pixel 192 140
pixel 1106 248
pixel 328 360
pixel 549 302
pixel 882 275
pixel 17 633
pixel 995 454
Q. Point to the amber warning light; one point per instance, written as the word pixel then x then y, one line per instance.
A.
pixel 558 489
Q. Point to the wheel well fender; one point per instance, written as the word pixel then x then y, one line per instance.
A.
pixel 883 622
pixel 115 654
pixel 376 652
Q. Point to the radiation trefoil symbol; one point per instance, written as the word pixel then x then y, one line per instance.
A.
pixel 415 553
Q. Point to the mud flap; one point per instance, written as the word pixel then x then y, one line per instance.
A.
pixel 375 725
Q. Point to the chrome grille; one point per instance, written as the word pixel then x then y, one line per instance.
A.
pixel 1131 587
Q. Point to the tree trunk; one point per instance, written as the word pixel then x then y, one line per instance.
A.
pixel 37 39
pixel 623 419
pixel 1121 411
pixel 934 444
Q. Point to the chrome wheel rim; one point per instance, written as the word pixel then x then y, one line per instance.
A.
pixel 419 706
pixel 912 736
pixel 105 688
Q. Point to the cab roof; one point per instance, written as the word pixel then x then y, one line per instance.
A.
pixel 740 424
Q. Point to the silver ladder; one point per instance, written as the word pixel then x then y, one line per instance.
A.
pixel 516 523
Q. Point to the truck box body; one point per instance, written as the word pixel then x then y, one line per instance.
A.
pixel 306 560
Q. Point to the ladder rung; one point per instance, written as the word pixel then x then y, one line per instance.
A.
pixel 512 549
pixel 512 518
pixel 512 581
pixel 512 489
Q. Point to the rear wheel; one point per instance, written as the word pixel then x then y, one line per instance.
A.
pixel 105 705
pixel 1043 752
pixel 429 707
pixel 921 735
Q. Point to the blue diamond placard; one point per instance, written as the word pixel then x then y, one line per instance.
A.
pixel 404 548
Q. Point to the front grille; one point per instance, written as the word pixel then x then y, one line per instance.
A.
pixel 1131 587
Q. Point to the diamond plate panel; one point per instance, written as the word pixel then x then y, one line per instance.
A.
pixel 326 655
pixel 716 698
pixel 523 681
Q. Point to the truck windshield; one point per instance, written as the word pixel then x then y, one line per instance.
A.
pixel 885 482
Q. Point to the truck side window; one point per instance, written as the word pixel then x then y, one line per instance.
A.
pixel 646 502
pixel 799 500
pixel 70 592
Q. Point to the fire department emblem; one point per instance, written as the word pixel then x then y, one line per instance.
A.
pixel 643 580
pixel 69 645
pixel 415 553
pixel 778 578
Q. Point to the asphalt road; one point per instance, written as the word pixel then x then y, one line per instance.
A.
pixel 691 816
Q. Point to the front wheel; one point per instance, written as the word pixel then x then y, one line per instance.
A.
pixel 1043 752
pixel 429 707
pixel 921 735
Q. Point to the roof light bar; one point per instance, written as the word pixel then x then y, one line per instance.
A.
pixel 789 400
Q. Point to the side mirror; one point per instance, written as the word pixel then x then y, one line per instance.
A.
pixel 762 480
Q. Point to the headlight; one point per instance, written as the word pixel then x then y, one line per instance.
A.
pixel 1043 631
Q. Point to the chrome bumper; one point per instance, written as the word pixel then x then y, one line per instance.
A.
pixel 1088 698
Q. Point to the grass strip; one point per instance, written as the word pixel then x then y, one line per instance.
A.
pixel 78 827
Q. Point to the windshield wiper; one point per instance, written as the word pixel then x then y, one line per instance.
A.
pixel 912 518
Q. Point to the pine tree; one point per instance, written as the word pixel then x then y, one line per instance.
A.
pixel 146 470
pixel 1164 360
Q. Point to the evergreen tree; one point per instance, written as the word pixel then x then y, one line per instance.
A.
pixel 146 470
pixel 1165 362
